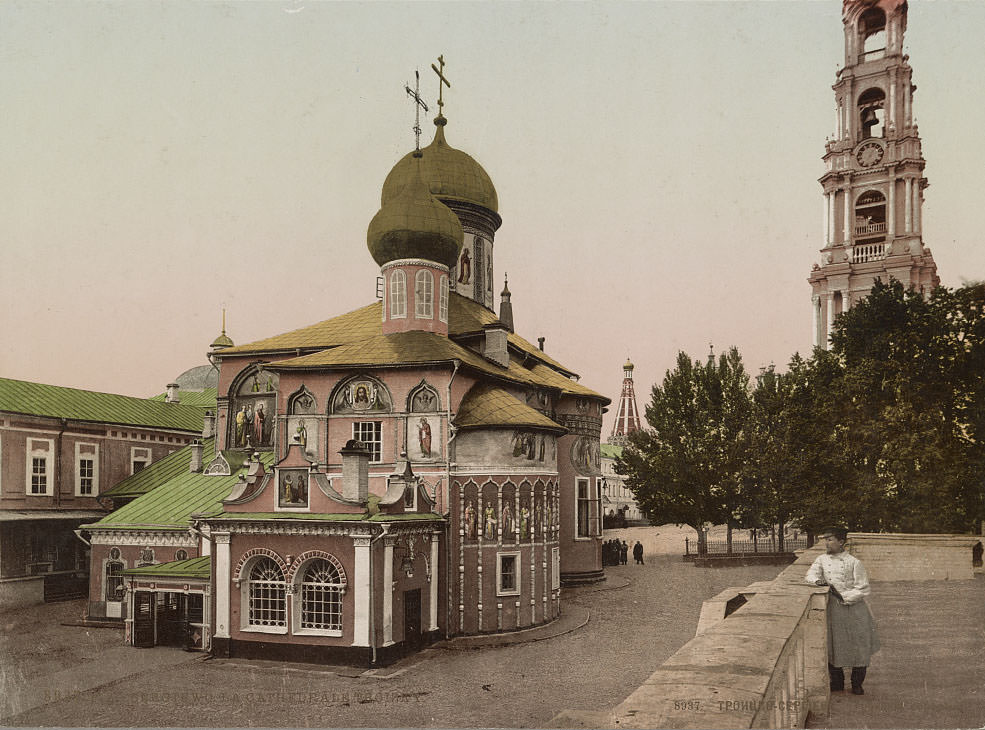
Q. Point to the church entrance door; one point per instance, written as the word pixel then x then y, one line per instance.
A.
pixel 412 618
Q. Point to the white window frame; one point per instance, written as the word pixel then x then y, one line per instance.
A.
pixel 299 598
pixel 92 456
pixel 244 593
pixel 398 294
pixel 556 568
pixel 358 436
pixel 139 454
pixel 517 578
pixel 424 294
pixel 49 473
pixel 587 500
pixel 443 298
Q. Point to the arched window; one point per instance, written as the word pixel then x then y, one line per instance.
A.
pixel 322 587
pixel 443 298
pixel 871 114
pixel 398 295
pixel 424 295
pixel 114 580
pixel 267 595
pixel 872 34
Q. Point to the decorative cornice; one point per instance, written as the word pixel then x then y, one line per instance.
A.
pixel 170 538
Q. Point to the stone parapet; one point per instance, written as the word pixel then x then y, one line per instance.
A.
pixel 765 666
pixel 900 556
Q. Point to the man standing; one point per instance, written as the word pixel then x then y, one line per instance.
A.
pixel 852 636
pixel 638 552
pixel 624 553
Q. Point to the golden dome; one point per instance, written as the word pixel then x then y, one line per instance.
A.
pixel 451 174
pixel 413 224
pixel 628 365
pixel 222 340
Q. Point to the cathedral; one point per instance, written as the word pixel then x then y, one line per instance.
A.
pixel 873 181
pixel 408 471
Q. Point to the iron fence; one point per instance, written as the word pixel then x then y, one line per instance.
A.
pixel 763 545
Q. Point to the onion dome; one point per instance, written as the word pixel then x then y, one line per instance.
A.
pixel 413 224
pixel 451 174
pixel 628 365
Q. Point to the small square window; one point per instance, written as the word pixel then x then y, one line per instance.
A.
pixel 370 434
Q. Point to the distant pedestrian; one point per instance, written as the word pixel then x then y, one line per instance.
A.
pixel 623 553
pixel 638 552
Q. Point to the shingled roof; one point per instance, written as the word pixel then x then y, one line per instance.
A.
pixel 55 401
pixel 486 405
pixel 465 318
pixel 418 348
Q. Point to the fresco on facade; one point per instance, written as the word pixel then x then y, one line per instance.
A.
pixel 424 438
pixel 253 404
pixel 292 488
pixel 303 430
pixel 424 400
pixel 586 456
pixel 359 396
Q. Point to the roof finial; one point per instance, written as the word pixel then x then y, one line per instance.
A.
pixel 711 353
pixel 419 104
pixel 442 82
pixel 223 320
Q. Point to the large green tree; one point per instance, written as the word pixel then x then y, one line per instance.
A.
pixel 686 467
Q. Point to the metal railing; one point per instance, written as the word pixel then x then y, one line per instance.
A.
pixel 739 547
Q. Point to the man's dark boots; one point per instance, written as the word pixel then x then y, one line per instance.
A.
pixel 858 676
pixel 837 677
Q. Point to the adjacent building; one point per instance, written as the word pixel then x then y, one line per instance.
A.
pixel 61 449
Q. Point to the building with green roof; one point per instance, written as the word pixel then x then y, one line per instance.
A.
pixel 61 450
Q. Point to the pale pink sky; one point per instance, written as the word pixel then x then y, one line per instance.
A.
pixel 656 165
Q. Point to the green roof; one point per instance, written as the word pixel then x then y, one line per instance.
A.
pixel 172 498
pixel 611 451
pixel 485 405
pixel 191 568
pixel 55 401
pixel 162 470
pixel 198 398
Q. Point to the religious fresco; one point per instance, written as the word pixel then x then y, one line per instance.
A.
pixel 361 395
pixel 303 430
pixel 525 517
pixel 463 269
pixel 507 518
pixel 470 520
pixel 424 399
pixel 252 421
pixel 586 456
pixel 292 488
pixel 423 438
pixel 532 446
pixel 302 402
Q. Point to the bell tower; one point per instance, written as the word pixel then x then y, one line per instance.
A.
pixel 873 181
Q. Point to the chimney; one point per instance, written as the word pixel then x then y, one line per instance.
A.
pixel 540 343
pixel 196 462
pixel 505 307
pixel 208 428
pixel 172 396
pixel 494 347
pixel 355 471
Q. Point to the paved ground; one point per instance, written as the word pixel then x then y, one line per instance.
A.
pixel 630 631
pixel 929 671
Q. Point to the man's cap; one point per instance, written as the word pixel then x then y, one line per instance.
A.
pixel 839 532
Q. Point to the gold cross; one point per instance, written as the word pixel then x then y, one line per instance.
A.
pixel 419 104
pixel 441 80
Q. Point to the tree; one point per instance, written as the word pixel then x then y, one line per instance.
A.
pixel 686 467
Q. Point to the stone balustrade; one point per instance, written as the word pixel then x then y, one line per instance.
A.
pixel 765 666
pixel 759 656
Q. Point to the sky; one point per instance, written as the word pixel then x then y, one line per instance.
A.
pixel 656 165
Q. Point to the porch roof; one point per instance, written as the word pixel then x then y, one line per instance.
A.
pixel 193 568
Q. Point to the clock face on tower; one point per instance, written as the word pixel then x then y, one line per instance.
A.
pixel 869 154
